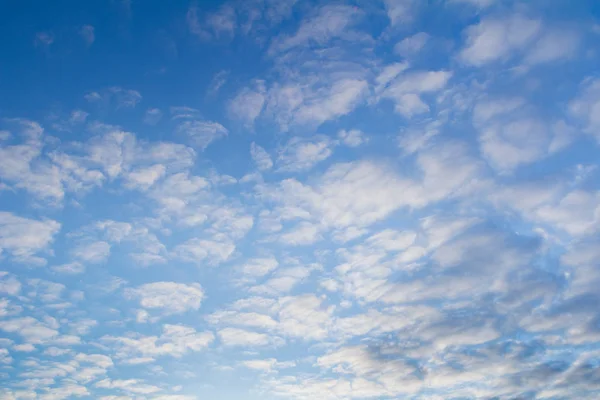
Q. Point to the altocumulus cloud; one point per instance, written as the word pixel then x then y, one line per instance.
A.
pixel 301 200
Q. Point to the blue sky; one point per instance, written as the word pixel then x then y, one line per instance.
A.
pixel 289 199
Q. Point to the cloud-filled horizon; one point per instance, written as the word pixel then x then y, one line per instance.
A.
pixel 297 199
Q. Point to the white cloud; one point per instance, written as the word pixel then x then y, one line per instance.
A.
pixel 578 213
pixel 361 193
pixel 242 319
pixel 95 252
pixel 304 233
pixel 152 116
pixel 45 291
pixel 30 329
pixel 496 39
pixel 9 284
pixel 304 317
pixel 300 154
pixel 217 82
pixel 283 280
pixel 258 267
pixel 202 133
pixel 391 240
pixel 417 138
pixel 126 98
pixel 44 39
pixel 88 35
pixel 116 96
pixel 266 365
pixel 511 135
pixel 261 157
pixel 128 386
pixel 412 44
pixel 352 137
pixel 169 297
pixel 175 341
pixel 222 22
pixel 515 143
pixel 554 45
pixel 586 106
pixel 248 104
pixel 337 100
pixel 211 252
pixel 56 352
pixel 330 21
pixel 406 89
pixel 240 337
pixel 22 164
pixel 143 178
pixel 78 117
pixel 25 348
pixel 400 11
pixel 475 3
pixel 347 194
pixel 23 238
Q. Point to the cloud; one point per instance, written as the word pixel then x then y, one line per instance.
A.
pixel 133 386
pixel 23 238
pixel 214 25
pixel 303 234
pixel 115 96
pixel 242 319
pixel 475 3
pixel 258 267
pixel 498 39
pixel 217 82
pixel 300 154
pixel 512 135
pixel 406 89
pixel 518 142
pixel 331 21
pixel 45 291
pixel 330 201
pixel 248 104
pixel 577 213
pixel 284 280
pixel 338 100
pixel 9 285
pixel 168 297
pixel 261 157
pixel 400 11
pixel 174 341
pixel 240 337
pixel 356 195
pixel 30 329
pixel 44 39
pixel 209 251
pixel 554 45
pixel 88 35
pixel 94 252
pixel 144 178
pixel 412 44
pixel 23 165
pixel 202 133
pixel 304 317
pixel 584 107
pixel 352 137
pixel 152 116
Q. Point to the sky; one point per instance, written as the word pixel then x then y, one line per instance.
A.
pixel 300 199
